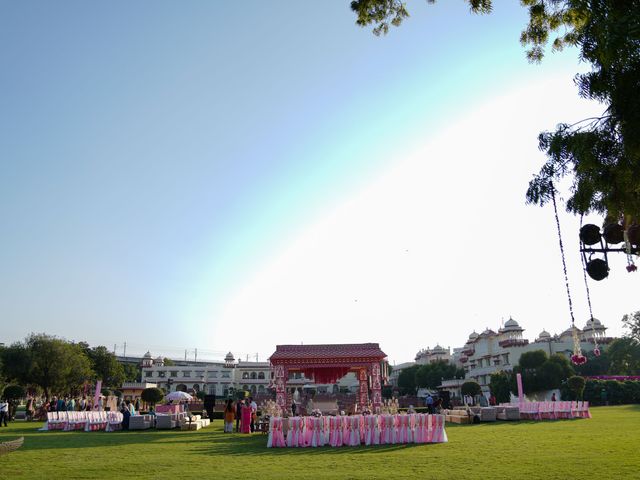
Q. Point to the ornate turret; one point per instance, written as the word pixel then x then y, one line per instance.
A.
pixel 147 360
pixel 229 360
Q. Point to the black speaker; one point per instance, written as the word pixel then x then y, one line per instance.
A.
pixel 210 404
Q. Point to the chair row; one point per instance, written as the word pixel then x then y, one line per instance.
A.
pixel 356 430
pixel 553 410
pixel 87 421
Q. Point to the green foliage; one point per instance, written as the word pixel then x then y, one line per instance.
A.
pixel 532 360
pixel 431 375
pixel 152 395
pixel 14 392
pixel 387 391
pixel 595 365
pixel 106 366
pixel 407 379
pixel 576 385
pixel 540 373
pixel 200 394
pixel 601 154
pixel 168 362
pixel 55 365
pixel 632 322
pixel 624 357
pixel 501 386
pixel 383 13
pixel 132 373
pixel 471 387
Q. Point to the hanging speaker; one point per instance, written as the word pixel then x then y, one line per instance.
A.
pixel 590 234
pixel 597 269
pixel 613 233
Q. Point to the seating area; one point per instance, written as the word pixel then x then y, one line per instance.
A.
pixel 356 430
pixel 111 421
pixel 552 410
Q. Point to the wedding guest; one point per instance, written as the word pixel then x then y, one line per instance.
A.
pixel 30 408
pixel 430 404
pixel 229 415
pixel 137 404
pixel 245 424
pixel 126 414
pixel 293 408
pixel 238 414
pixel 4 412
pixel 553 397
pixel 71 405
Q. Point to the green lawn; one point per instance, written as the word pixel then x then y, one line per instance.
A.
pixel 606 446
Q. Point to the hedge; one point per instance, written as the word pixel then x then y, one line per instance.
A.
pixel 617 393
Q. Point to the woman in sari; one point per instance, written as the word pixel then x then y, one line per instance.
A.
pixel 245 420
pixel 229 415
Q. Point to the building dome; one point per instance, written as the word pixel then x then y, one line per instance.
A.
pixel 147 355
pixel 229 357
pixel 544 334
pixel 473 335
pixel 511 323
pixel 438 348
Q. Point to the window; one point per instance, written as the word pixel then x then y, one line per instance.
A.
pixel 213 374
pixel 186 373
pixel 225 375
pixel 212 389
pixel 174 373
pixel 261 389
pixel 161 374
pixel 148 374
pixel 245 375
pixel 261 376
pixel 253 375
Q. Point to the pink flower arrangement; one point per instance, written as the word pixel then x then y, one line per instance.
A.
pixel 631 268
pixel 578 359
pixel 596 352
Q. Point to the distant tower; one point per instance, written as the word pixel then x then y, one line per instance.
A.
pixel 147 360
pixel 159 362
pixel 229 360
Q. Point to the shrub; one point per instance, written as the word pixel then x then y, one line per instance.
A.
pixel 471 388
pixel 576 385
pixel 13 392
pixel 152 395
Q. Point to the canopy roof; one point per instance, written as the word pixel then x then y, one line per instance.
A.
pixel 327 354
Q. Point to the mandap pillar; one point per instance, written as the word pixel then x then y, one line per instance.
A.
pixel 376 387
pixel 281 387
pixel 364 388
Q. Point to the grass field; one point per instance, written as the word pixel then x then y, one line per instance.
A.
pixel 606 446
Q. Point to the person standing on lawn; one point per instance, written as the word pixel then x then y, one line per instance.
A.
pixel 229 415
pixel 245 423
pixel 4 412
pixel 238 414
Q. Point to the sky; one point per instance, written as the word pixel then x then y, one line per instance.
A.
pixel 230 176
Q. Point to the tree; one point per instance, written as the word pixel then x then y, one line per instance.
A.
pixel 132 373
pixel 168 362
pixel 602 154
pixel 470 387
pixel 431 375
pixel 55 365
pixel 541 373
pixel 106 366
pixel 500 386
pixel 152 395
pixel 407 379
pixel 576 385
pixel 532 360
pixel 13 394
pixel 624 355
pixel 632 322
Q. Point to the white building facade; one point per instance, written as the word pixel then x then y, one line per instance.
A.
pixel 490 352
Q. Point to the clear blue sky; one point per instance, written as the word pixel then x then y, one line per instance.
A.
pixel 155 156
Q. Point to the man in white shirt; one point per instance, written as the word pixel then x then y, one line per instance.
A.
pixel 4 412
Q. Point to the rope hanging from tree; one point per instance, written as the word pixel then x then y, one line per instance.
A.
pixel 596 349
pixel 577 358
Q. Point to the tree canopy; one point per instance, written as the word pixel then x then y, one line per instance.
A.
pixel 601 154
pixel 540 372
pixel 431 375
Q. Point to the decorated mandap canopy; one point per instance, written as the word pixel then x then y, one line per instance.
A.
pixel 328 363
